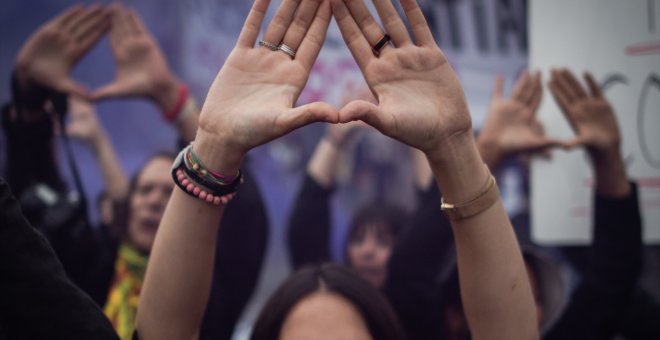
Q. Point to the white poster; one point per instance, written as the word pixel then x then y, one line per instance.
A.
pixel 619 42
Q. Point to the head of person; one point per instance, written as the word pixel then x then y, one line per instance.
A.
pixel 137 219
pixel 371 238
pixel 327 302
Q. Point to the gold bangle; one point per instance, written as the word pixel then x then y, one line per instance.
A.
pixel 488 196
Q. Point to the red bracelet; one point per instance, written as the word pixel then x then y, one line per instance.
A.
pixel 172 115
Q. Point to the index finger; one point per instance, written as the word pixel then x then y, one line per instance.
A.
pixel 252 25
pixel 65 17
pixel 498 88
pixel 594 88
pixel 530 90
pixel 313 41
pixel 356 41
pixel 573 84
pixel 137 25
pixel 538 93
pixel 519 87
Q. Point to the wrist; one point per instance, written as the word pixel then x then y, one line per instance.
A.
pixel 166 93
pixel 21 72
pixel 458 167
pixel 610 174
pixel 217 154
pixel 98 141
pixel 603 156
pixel 322 165
pixel 26 94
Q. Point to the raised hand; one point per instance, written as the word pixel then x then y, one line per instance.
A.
pixel 142 70
pixel 252 99
pixel 596 128
pixel 84 123
pixel 420 101
pixel 45 61
pixel 250 102
pixel 590 114
pixel 511 127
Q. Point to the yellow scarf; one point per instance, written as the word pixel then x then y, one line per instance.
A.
pixel 121 307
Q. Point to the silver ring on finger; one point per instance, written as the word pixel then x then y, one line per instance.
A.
pixel 288 50
pixel 268 45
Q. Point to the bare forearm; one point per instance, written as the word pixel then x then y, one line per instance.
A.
pixel 166 98
pixel 497 297
pixel 178 279
pixel 115 179
pixel 323 164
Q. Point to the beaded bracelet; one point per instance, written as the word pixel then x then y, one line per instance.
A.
pixel 193 163
pixel 197 182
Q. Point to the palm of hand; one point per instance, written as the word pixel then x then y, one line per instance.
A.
pixel 84 127
pixel 513 126
pixel 141 67
pixel 252 97
pixel 48 57
pixel 84 124
pixel 594 122
pixel 420 99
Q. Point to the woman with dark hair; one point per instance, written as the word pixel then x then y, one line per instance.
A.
pixel 374 227
pixel 332 292
pixel 251 102
pixel 371 235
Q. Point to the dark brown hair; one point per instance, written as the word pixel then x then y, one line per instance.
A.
pixel 386 217
pixel 121 209
pixel 374 308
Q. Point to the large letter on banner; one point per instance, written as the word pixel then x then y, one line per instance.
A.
pixel 619 42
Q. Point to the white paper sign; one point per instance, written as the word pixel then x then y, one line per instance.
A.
pixel 619 42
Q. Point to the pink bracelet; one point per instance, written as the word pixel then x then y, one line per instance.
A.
pixel 200 192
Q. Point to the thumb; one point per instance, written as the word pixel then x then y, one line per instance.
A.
pixel 108 91
pixel 547 143
pixel 362 110
pixel 71 87
pixel 307 114
pixel 573 143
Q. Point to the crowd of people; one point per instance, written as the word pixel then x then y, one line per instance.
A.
pixel 180 244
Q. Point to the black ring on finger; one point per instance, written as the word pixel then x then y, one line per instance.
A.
pixel 381 44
